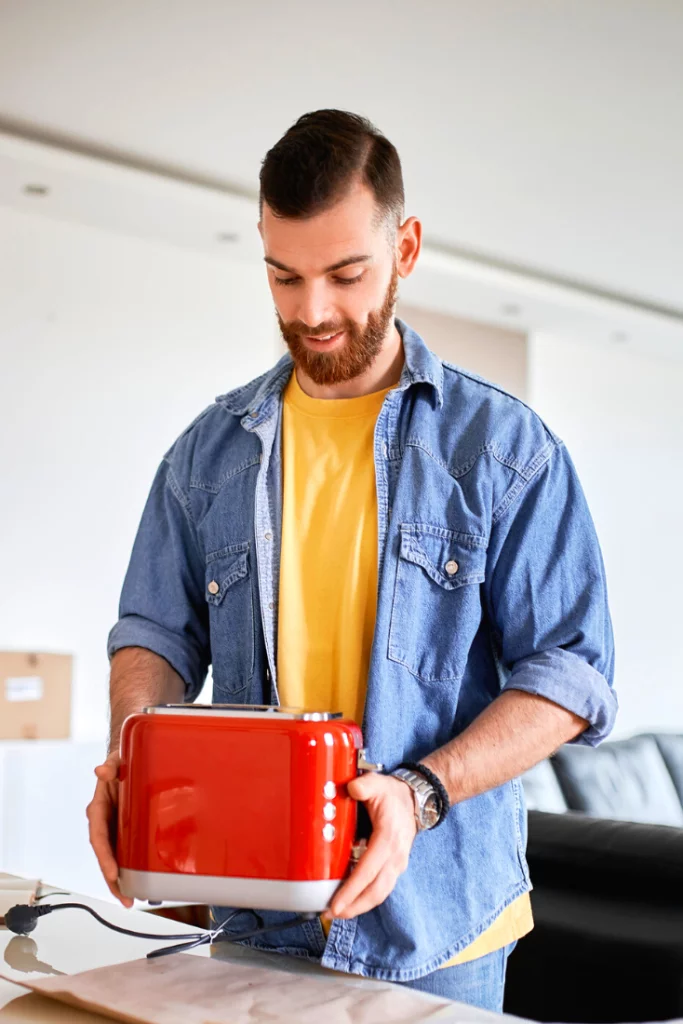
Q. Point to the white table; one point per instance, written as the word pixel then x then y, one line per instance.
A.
pixel 72 941
pixel 68 942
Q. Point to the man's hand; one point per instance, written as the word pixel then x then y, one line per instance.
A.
pixel 391 809
pixel 102 814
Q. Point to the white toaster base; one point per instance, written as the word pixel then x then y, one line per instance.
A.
pixel 252 893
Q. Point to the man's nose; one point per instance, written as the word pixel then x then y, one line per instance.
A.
pixel 314 306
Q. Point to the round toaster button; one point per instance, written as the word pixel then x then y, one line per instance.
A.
pixel 329 790
pixel 213 587
pixel 329 832
pixel 329 812
pixel 451 567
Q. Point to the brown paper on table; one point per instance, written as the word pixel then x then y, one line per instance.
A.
pixel 186 989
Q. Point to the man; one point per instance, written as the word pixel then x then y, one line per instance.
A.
pixel 368 529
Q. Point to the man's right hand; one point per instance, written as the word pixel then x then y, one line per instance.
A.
pixel 102 820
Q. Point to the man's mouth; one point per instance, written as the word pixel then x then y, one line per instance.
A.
pixel 322 340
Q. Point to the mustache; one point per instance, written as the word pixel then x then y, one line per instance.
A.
pixel 320 331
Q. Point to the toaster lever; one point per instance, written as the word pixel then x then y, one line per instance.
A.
pixel 364 765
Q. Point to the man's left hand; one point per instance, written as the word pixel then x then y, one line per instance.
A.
pixel 391 808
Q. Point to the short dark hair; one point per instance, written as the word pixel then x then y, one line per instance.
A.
pixel 318 159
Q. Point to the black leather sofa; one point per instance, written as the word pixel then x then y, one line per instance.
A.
pixel 605 854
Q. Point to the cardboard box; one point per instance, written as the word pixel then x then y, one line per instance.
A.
pixel 35 695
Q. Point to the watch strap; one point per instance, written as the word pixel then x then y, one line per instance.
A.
pixel 435 782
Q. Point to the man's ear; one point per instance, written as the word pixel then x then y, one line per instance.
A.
pixel 260 229
pixel 408 245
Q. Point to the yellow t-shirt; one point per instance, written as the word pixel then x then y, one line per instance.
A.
pixel 328 576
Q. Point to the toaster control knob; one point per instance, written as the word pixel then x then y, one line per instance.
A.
pixel 329 832
pixel 329 790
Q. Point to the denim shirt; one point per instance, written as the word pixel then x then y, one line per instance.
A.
pixel 465 473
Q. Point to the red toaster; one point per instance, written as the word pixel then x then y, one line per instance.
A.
pixel 236 805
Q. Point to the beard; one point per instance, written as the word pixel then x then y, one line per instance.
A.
pixel 361 345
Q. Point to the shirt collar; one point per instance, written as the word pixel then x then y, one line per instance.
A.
pixel 420 367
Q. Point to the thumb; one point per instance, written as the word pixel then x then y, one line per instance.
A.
pixel 109 769
pixel 363 787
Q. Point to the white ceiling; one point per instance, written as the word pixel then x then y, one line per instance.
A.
pixel 546 134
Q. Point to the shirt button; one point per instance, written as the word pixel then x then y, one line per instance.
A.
pixel 268 535
pixel 451 567
pixel 213 587
pixel 271 605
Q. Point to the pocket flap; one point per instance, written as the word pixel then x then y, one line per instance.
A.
pixel 449 557
pixel 224 568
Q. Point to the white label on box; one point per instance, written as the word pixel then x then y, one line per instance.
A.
pixel 23 688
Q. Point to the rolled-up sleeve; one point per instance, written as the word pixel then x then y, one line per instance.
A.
pixel 547 595
pixel 162 605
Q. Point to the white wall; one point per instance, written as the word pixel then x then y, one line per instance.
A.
pixel 491 352
pixel 109 346
pixel 45 787
pixel 621 416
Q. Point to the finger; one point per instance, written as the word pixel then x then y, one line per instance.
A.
pixel 99 814
pixel 363 786
pixel 115 891
pixel 369 866
pixel 102 846
pixel 100 842
pixel 375 893
pixel 108 770
pixel 369 786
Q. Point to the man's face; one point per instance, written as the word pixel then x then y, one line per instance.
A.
pixel 334 281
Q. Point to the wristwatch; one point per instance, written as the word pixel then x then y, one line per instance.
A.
pixel 425 797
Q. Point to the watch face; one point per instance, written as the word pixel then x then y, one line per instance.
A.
pixel 430 811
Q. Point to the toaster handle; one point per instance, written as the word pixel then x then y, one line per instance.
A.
pixel 364 765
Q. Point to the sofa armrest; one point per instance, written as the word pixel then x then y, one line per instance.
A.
pixel 611 858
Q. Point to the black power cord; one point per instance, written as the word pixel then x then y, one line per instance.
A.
pixel 22 919
pixel 210 937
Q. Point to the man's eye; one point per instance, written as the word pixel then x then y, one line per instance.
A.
pixel 349 280
pixel 337 280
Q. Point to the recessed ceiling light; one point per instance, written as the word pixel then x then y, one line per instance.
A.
pixel 510 309
pixel 36 190
pixel 227 236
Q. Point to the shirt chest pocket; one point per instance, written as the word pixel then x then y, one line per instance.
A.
pixel 229 594
pixel 436 608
